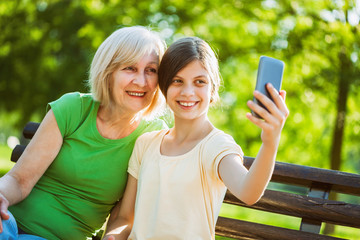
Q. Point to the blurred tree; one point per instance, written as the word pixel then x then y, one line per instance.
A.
pixel 41 54
pixel 329 38
pixel 46 48
pixel 328 35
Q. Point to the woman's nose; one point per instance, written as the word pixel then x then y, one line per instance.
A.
pixel 140 80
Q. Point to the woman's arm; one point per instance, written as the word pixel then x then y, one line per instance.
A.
pixel 38 155
pixel 250 185
pixel 122 216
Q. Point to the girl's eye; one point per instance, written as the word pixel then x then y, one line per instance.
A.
pixel 176 81
pixel 199 81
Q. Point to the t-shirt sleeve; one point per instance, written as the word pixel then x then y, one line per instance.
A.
pixel 216 149
pixel 136 156
pixel 67 110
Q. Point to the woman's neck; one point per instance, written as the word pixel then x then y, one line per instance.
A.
pixel 114 124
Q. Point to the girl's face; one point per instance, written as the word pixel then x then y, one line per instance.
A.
pixel 189 94
pixel 133 86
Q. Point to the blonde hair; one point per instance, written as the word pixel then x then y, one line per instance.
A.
pixel 180 54
pixel 125 46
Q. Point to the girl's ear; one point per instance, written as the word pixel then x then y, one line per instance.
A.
pixel 213 92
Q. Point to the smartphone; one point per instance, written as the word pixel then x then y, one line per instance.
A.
pixel 270 70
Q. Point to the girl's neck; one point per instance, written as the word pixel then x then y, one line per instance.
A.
pixel 115 124
pixel 192 129
pixel 185 135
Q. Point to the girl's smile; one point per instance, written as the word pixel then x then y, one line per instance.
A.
pixel 189 93
pixel 187 104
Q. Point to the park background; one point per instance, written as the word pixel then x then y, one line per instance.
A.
pixel 46 48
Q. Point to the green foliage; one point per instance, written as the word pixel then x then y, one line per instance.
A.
pixel 47 46
pixel 5 164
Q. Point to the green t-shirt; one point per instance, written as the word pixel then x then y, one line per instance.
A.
pixel 74 196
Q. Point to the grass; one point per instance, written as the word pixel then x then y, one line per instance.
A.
pixel 5 163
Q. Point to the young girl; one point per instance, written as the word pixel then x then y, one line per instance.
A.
pixel 179 176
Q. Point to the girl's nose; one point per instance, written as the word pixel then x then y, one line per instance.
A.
pixel 187 90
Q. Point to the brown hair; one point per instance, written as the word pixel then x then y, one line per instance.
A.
pixel 181 53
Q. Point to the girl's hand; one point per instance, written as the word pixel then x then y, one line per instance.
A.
pixel 111 237
pixel 274 119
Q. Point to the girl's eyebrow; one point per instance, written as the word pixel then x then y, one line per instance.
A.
pixel 199 76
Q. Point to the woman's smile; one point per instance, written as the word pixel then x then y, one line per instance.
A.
pixel 136 94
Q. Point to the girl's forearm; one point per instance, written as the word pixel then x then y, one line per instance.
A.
pixel 119 229
pixel 259 175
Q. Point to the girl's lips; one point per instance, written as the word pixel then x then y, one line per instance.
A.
pixel 187 104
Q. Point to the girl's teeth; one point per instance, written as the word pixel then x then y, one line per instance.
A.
pixel 187 104
pixel 136 94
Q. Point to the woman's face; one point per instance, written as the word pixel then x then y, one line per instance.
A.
pixel 133 86
pixel 189 94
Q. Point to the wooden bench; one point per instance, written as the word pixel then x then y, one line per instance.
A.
pixel 313 208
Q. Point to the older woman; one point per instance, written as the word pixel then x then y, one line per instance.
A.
pixel 74 169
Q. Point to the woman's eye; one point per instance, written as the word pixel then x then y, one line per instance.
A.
pixel 153 70
pixel 129 68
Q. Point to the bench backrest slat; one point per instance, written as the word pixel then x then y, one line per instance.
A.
pixel 288 173
pixel 290 204
pixel 30 129
pixel 239 229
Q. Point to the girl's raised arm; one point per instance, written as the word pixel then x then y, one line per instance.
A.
pixel 250 185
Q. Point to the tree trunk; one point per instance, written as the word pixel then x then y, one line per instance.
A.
pixel 343 86
pixel 338 133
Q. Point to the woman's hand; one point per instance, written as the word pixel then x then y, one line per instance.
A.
pixel 274 119
pixel 4 204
